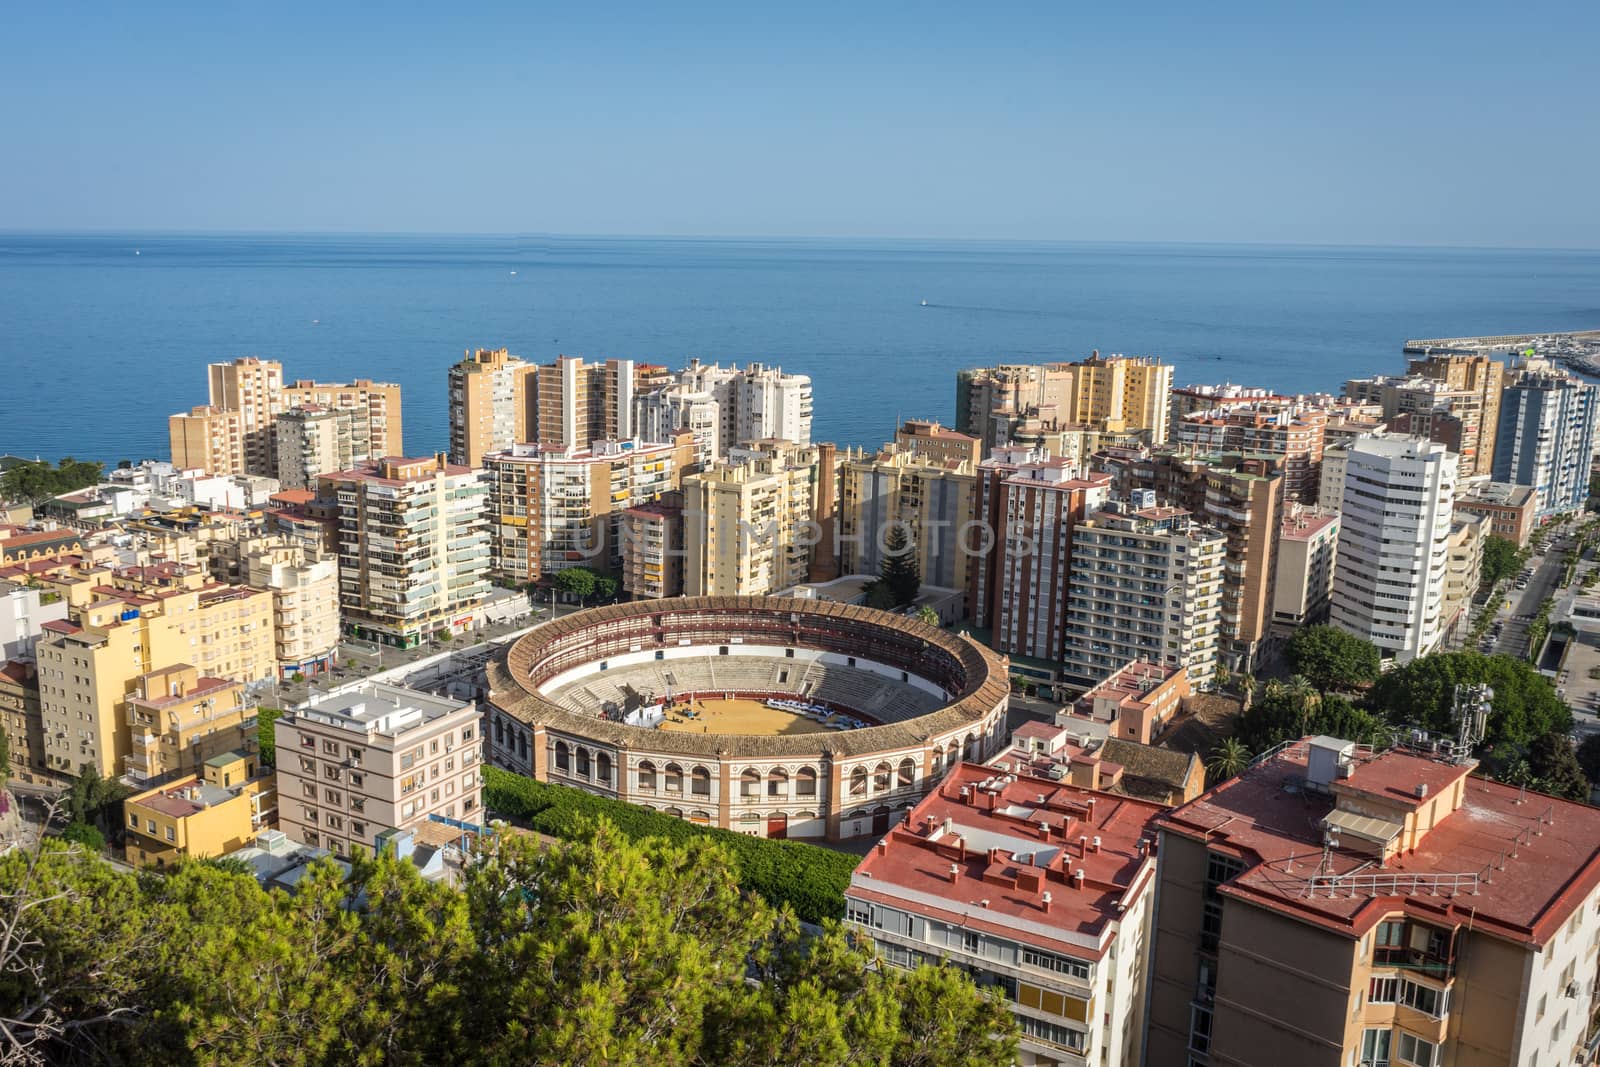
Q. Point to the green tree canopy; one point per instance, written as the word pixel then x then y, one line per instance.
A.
pixel 1589 757
pixel 580 582
pixel 1422 692
pixel 1228 759
pixel 1556 769
pixel 266 739
pixel 1502 559
pixel 37 481
pixel 1289 712
pixel 1331 658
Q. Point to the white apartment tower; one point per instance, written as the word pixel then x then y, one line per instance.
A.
pixel 1394 543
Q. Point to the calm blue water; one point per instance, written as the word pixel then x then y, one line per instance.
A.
pixel 99 345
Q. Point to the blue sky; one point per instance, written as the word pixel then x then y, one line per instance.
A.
pixel 1329 123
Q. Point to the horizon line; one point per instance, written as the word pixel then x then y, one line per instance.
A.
pixel 749 237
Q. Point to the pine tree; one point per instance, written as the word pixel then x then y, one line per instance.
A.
pixel 898 571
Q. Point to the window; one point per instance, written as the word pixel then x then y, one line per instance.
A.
pixel 647 775
pixel 1049 961
pixel 674 782
pixel 1199 1029
pixel 1382 990
pixel 805 782
pixel 171 834
pixel 1413 1050
pixel 332 796
pixel 1375 1048
pixel 969 940
pixel 309 766
pixel 356 779
pixel 308 789
pixel 859 913
pixel 700 782
pixel 358 804
pixel 330 747
pixel 1423 998
pixel 1052 1033
pixel 358 828
pixel 133 821
pixel 563 758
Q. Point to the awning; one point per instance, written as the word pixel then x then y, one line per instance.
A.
pixel 1378 831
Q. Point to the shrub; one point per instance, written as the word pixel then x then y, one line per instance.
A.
pixel 809 878
pixel 84 835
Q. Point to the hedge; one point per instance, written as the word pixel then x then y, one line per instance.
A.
pixel 808 878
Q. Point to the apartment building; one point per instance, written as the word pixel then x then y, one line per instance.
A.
pixel 178 719
pixel 652 548
pixel 1038 889
pixel 927 501
pixel 1461 417
pixel 1292 430
pixel 673 409
pixel 305 602
pixel 1302 586
pixel 1512 510
pixel 236 431
pixel 1394 534
pixel 578 404
pixel 1478 374
pixel 1112 394
pixel 945 447
pixel 413 547
pixel 1240 494
pixel 374 757
pixel 1333 906
pixel 1044 501
pixel 212 812
pixel 750 527
pixel 1120 394
pixel 1198 399
pixel 1463 572
pixel 21 720
pixel 1146 585
pixel 1133 703
pixel 23 612
pixel 989 400
pixel 492 404
pixel 138 620
pixel 989 518
pixel 1067 753
pixel 552 507
pixel 754 403
pixel 1546 439
pixel 313 441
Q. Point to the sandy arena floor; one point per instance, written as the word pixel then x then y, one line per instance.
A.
pixel 739 716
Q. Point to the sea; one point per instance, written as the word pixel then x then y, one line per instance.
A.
pixel 103 336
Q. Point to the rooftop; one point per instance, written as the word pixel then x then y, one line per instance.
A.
pixel 1305 524
pixel 1504 493
pixel 1010 854
pixel 1130 685
pixel 1515 865
pixel 370 707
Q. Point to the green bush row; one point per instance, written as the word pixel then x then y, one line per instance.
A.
pixel 808 878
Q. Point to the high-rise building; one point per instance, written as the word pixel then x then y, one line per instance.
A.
pixel 1462 417
pixel 1146 585
pixel 990 399
pixel 652 548
pixel 1332 906
pixel 750 528
pixel 1111 395
pixel 21 720
pixel 666 412
pixel 1043 502
pixel 1302 586
pixel 413 547
pixel 1290 429
pixel 23 613
pixel 236 432
pixel 1038 889
pixel 492 404
pixel 1463 572
pixel 578 404
pixel 1546 439
pixel 754 403
pixel 1195 399
pixel 375 757
pixel 1394 534
pixel 552 507
pixel 927 501
pixel 313 441
pixel 178 719
pixel 1240 494
pixel 1476 373
pixel 989 518
pixel 1120 393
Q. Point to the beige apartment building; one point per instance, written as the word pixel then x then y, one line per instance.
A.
pixel 305 602
pixel 236 431
pixel 21 720
pixel 579 404
pixel 926 438
pixel 375 757
pixel 1476 374
pixel 138 620
pixel 492 404
pixel 1302 588
pixel 1463 572
pixel 413 548
pixel 1512 510
pixel 1115 395
pixel 1334 906
pixel 1128 394
pixel 1146 585
pixel 178 719
pixel 929 501
pixel 552 507
pixel 750 528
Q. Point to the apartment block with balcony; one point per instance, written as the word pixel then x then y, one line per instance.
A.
pixel 21 720
pixel 211 812
pixel 750 528
pixel 946 447
pixel 312 441
pixel 1037 889
pixel 492 404
pixel 928 500
pixel 578 404
pixel 375 757
pixel 1333 906
pixel 1546 439
pixel 178 719
pixel 1512 510
pixel 1146 585
pixel 305 601
pixel 414 549
pixel 1463 573
pixel 652 553
pixel 552 507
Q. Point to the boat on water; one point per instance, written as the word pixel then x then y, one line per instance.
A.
pixel 924 303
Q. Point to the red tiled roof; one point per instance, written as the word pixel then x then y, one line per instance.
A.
pixel 1266 817
pixel 61 626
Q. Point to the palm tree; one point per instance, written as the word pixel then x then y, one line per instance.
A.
pixel 1228 759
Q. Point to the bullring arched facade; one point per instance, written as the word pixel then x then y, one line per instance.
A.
pixel 818 785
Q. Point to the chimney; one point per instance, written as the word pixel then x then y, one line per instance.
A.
pixel 883 846
pixel 1044 829
pixel 1094 846
pixel 1089 803
pixel 984 903
pixel 1044 901
pixel 1077 878
pixel 1422 790
pixel 1144 846
pixel 1083 844
pixel 953 873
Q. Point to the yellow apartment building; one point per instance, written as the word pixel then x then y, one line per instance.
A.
pixel 211 813
pixel 178 719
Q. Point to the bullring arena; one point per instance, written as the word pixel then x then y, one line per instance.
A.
pixel 770 716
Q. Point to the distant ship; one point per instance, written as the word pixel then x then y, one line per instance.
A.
pixel 924 303
pixel 136 252
pixel 513 273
